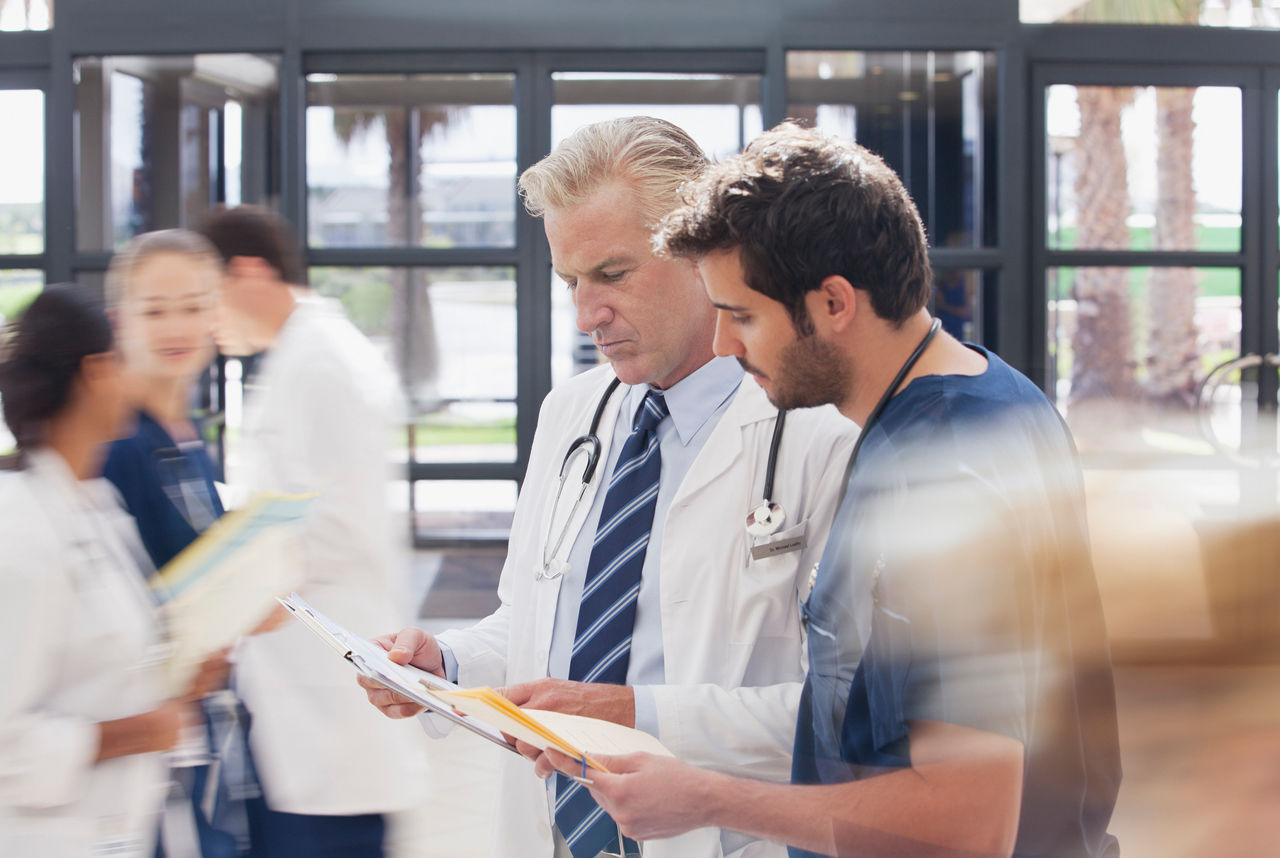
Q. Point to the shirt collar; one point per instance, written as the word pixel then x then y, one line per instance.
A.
pixel 693 399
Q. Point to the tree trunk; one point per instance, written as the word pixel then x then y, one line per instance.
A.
pixel 1103 365
pixel 1173 364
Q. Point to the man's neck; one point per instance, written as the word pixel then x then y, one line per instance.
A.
pixel 277 313
pixel 882 352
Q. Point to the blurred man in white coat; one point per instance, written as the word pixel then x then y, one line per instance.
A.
pixel 648 602
pixel 321 422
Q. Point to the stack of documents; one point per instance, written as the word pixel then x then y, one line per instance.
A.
pixel 225 582
pixel 483 711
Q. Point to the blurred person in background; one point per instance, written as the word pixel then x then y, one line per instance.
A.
pixel 959 698
pixel 83 720
pixel 162 287
pixel 333 772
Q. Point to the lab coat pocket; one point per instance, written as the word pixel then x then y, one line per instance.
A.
pixel 768 586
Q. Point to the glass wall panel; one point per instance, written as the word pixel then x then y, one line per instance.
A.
pixel 719 111
pixel 161 139
pixel 25 15
pixel 18 287
pixel 463 505
pixel 960 299
pixel 411 160
pixel 930 114
pixel 22 172
pixel 1144 168
pixel 1129 349
pixel 451 335
pixel 1264 14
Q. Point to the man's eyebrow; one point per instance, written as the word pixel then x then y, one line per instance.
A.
pixel 611 262
pixel 733 308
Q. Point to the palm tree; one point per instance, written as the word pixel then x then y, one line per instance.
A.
pixel 1103 343
pixel 411 320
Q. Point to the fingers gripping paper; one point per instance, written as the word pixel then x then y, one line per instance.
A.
pixel 481 710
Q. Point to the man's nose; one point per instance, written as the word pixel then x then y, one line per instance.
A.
pixel 725 343
pixel 593 310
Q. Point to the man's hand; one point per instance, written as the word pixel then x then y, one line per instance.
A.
pixel 210 677
pixel 650 797
pixel 615 703
pixel 272 621
pixel 410 646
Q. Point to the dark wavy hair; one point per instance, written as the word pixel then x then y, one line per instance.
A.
pixel 800 207
pixel 40 357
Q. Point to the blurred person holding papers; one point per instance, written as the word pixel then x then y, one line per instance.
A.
pixel 161 289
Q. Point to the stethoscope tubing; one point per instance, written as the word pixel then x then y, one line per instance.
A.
pixel 591 443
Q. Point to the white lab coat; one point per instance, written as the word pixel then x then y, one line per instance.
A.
pixel 322 421
pixel 81 644
pixel 731 632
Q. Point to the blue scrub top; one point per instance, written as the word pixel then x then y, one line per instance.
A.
pixel 956 587
pixel 167 487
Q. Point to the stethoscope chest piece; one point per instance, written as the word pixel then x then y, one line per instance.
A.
pixel 765 519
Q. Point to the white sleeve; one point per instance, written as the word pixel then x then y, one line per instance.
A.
pixel 744 731
pixel 481 650
pixel 45 757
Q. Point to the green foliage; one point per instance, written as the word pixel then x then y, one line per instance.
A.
pixel 365 294
pixel 14 298
pixel 447 431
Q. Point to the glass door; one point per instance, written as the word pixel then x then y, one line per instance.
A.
pixel 1160 332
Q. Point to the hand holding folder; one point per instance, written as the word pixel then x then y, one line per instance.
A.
pixel 224 583
pixel 481 710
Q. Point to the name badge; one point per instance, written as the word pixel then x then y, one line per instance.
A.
pixel 778 546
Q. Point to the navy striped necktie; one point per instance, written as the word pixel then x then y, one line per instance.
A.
pixel 607 612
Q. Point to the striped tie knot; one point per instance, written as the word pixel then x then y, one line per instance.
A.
pixel 650 413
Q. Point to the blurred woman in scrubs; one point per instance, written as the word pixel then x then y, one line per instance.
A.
pixel 162 288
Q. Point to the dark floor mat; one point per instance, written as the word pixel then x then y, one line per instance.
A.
pixel 466 586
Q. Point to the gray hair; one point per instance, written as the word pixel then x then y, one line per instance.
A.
pixel 653 156
pixel 180 242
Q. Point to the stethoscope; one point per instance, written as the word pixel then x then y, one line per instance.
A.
pixel 765 518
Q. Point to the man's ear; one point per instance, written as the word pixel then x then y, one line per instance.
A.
pixel 249 267
pixel 96 367
pixel 833 305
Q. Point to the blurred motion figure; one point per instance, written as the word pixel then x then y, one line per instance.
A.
pixel 82 715
pixel 321 421
pixel 161 288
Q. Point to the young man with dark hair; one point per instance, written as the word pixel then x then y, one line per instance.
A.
pixel 959 698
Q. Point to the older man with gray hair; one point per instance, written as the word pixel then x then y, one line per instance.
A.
pixel 650 602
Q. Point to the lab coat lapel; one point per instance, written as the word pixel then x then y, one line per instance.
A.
pixel 725 445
